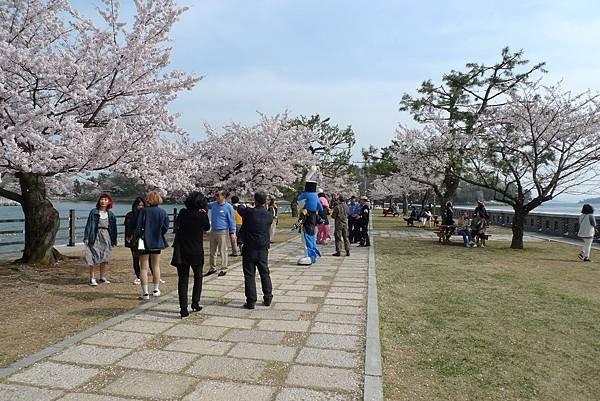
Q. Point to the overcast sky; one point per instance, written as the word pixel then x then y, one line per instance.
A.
pixel 353 60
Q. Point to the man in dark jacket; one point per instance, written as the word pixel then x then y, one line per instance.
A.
pixel 365 212
pixel 256 229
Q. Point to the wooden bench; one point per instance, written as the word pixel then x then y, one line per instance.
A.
pixel 388 210
pixel 445 232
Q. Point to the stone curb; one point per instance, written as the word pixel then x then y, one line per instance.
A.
pixel 38 356
pixel 373 385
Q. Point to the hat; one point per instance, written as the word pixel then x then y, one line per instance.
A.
pixel 364 198
pixel 310 186
pixel 320 190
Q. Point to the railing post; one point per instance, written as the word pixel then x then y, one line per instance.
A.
pixel 174 217
pixel 71 227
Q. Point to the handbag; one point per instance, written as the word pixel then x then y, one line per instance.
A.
pixel 140 242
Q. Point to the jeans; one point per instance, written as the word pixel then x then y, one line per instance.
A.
pixel 253 259
pixel 466 234
pixel 182 285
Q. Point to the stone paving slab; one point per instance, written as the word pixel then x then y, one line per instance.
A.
pixel 302 394
pixel 308 345
pixel 321 377
pixel 338 318
pixel 91 355
pixel 196 331
pixel 283 325
pixel 293 306
pixel 349 310
pixel 334 341
pixel 151 385
pixel 16 392
pixel 223 391
pixel 265 352
pixel 334 328
pixel 254 336
pixel 111 338
pixel 218 367
pixel 159 361
pixel 142 327
pixel 327 357
pixel 55 375
pixel 92 397
pixel 205 347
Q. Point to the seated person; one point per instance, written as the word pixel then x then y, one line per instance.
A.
pixel 414 216
pixel 463 227
pixel 478 225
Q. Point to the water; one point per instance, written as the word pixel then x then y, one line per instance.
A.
pixel 82 210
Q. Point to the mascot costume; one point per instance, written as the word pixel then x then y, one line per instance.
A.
pixel 311 205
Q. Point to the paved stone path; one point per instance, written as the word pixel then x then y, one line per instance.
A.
pixel 309 345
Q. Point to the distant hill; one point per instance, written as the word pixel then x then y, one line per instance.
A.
pixel 591 200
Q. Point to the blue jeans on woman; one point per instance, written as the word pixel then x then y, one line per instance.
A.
pixel 466 234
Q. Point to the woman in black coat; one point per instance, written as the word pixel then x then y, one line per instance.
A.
pixel 188 249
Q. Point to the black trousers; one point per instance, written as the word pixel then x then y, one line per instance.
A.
pixel 351 230
pixel 364 235
pixel 135 256
pixel 182 285
pixel 253 259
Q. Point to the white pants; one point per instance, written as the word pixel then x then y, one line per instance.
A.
pixel 587 246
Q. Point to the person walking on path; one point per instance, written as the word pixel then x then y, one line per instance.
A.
pixel 340 215
pixel 188 250
pixel 223 230
pixel 152 223
pixel 130 240
pixel 273 209
pixel 587 229
pixel 363 223
pixel 99 236
pixel 255 252
pixel 235 245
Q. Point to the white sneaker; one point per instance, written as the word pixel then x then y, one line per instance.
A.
pixel 93 282
pixel 103 280
pixel 137 281
pixel 156 293
pixel 145 297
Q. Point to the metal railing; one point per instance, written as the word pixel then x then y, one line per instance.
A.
pixel 68 234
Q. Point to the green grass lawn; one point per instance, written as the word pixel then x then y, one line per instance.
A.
pixel 493 323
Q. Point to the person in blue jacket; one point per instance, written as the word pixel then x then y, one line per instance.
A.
pixel 312 206
pixel 152 223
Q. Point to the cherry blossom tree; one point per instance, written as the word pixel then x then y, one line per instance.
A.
pixel 332 148
pixel 245 158
pixel 78 96
pixel 543 142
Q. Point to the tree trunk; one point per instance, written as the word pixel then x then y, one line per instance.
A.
pixel 518 225
pixel 41 220
pixel 294 206
pixel 449 187
pixel 404 204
